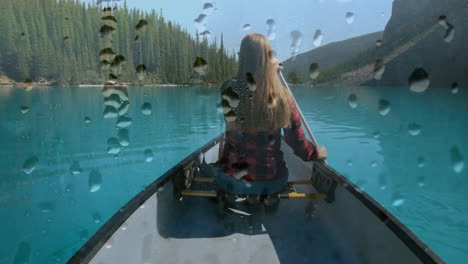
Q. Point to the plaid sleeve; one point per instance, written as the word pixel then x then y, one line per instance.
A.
pixel 295 137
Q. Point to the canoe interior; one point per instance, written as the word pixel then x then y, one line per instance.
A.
pixel 156 227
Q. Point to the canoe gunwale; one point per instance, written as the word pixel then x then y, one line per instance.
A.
pixel 97 241
pixel 321 172
pixel 416 245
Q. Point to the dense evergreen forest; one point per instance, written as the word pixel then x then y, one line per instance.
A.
pixel 60 40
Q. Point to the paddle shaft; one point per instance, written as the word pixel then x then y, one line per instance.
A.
pixel 314 141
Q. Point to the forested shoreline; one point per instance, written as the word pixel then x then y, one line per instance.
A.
pixel 60 41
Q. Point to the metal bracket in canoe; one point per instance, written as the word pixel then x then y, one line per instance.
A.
pixel 186 184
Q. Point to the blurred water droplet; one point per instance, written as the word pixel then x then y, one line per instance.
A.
pixel 318 37
pixel 96 217
pixel 296 37
pixel 414 129
pixel 384 107
pixel 379 69
pixel 398 202
pixel 232 97
pixel 454 88
pixel 148 155
pixel 271 29
pixel 46 207
pixel 30 165
pixel 376 134
pixel 112 100
pixel 94 181
pixel 123 109
pixel 110 112
pixel 314 71
pixel 113 146
pixel 421 162
pixel 24 109
pixel 378 43
pixel 124 226
pixel 123 121
pixel 87 120
pixel 247 27
pixel 200 66
pixel 350 163
pixel 146 109
pixel 458 163
pixel 419 80
pixel 421 181
pixel 349 17
pixel 75 168
pixel 230 116
pixel 124 138
pixel 208 8
pixel 109 243
pixel 352 100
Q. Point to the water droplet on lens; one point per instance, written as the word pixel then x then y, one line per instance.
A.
pixel 30 165
pixel 384 107
pixel 379 69
pixel 75 168
pixel 24 109
pixel 421 182
pixel 350 163
pixel 349 17
pixel 454 88
pixel 352 101
pixel 123 121
pixel 378 43
pixel 373 164
pixel 208 8
pixel 376 134
pixel 230 116
pixel 398 202
pixel 271 28
pixel 46 207
pixel 314 71
pixel 87 120
pixel 110 112
pixel 247 27
pixel 458 163
pixel 318 37
pixel 421 162
pixel 124 138
pixel 414 129
pixel 123 109
pixel 96 218
pixel 200 66
pixel 148 155
pixel 94 181
pixel 419 80
pixel 146 109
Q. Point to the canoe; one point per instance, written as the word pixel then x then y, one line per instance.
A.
pixel 347 226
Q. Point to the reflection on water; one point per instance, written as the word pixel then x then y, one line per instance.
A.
pixel 59 184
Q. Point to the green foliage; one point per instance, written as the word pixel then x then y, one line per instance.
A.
pixel 60 40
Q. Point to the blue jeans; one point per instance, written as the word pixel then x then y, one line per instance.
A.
pixel 229 184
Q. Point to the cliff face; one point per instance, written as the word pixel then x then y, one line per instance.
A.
pixel 445 61
pixel 331 54
pixel 413 38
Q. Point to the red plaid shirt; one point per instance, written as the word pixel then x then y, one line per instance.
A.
pixel 258 156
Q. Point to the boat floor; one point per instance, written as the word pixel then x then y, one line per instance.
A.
pixel 166 230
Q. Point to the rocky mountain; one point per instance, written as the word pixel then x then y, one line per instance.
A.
pixel 427 34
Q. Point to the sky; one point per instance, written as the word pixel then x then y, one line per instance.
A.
pixel 305 16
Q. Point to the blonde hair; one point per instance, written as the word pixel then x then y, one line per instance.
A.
pixel 270 105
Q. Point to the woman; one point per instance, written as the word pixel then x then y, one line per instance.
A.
pixel 256 107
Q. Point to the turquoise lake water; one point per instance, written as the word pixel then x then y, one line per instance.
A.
pixel 407 152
